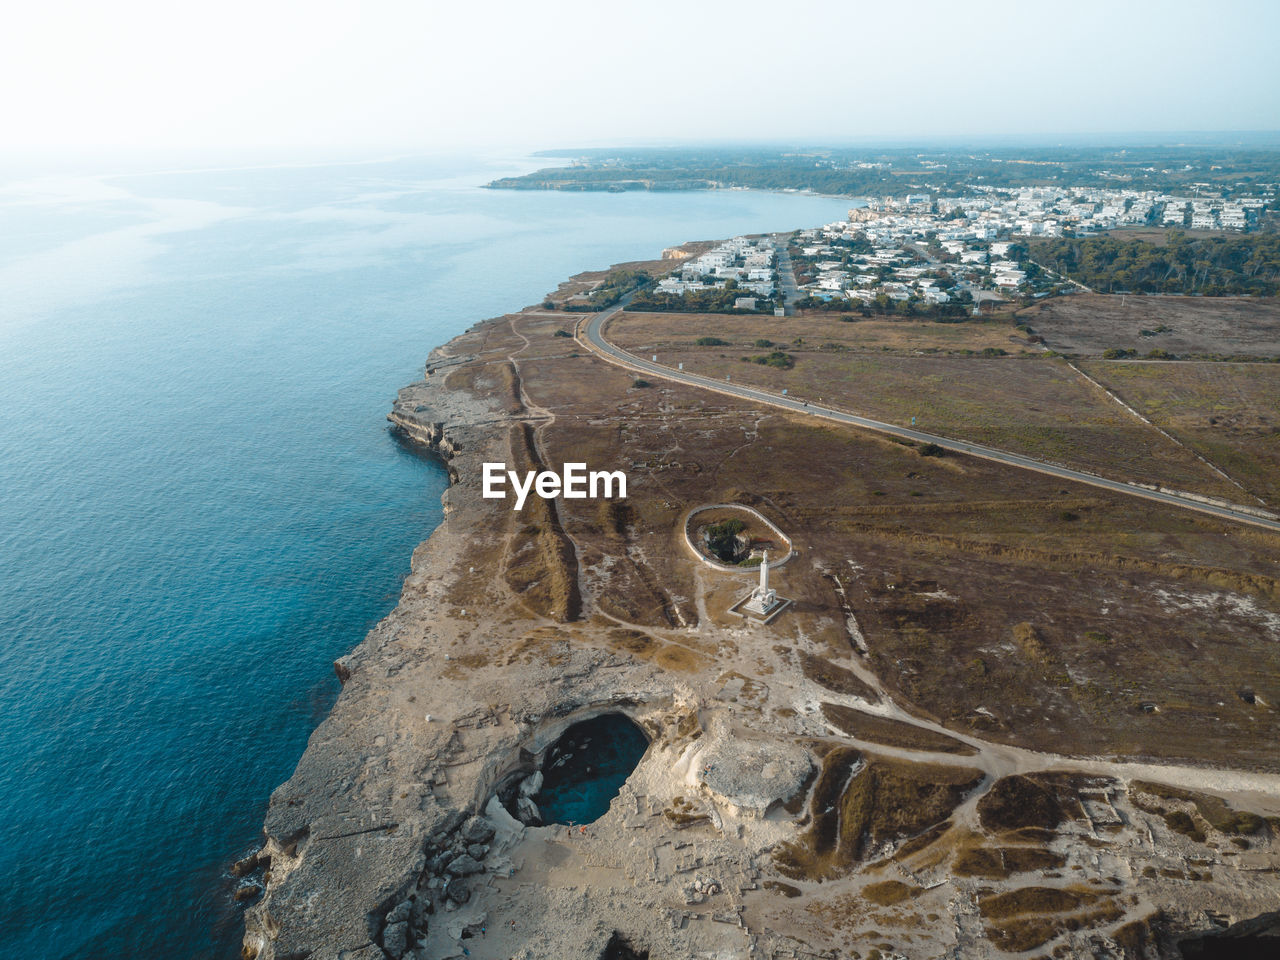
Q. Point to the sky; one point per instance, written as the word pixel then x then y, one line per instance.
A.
pixel 80 75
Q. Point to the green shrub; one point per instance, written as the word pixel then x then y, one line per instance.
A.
pixel 722 538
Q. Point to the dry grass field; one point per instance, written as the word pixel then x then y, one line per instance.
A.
pixel 1228 412
pixel 1089 324
pixel 660 332
pixel 1037 406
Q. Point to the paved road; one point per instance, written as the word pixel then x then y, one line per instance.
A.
pixel 786 274
pixel 590 335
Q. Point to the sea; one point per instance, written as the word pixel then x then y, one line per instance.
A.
pixel 201 506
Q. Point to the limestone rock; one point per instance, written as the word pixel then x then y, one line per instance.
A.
pixel 369 951
pixel 395 939
pixel 508 827
pixel 465 866
pixel 400 912
pixel 477 830
pixel 531 784
pixel 528 811
pixel 751 777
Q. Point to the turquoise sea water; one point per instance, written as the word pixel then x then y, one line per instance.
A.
pixel 202 507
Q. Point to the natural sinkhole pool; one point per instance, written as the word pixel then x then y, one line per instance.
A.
pixel 584 769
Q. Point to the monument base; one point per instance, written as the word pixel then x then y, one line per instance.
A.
pixel 744 608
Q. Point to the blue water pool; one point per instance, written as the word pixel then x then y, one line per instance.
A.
pixel 586 768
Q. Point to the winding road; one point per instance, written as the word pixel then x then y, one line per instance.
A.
pixel 590 334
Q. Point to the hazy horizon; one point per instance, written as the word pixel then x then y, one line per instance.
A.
pixel 395 76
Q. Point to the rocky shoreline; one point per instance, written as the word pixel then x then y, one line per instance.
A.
pixel 374 832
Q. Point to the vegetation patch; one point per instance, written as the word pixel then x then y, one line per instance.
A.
pixel 542 566
pixel 1040 900
pixel 1027 637
pixel 835 678
pixel 1027 933
pixel 722 539
pixel 1031 916
pixel 1181 822
pixel 616 284
pixel 682 813
pixel 893 733
pixel 1002 862
pixel 923 841
pixel 786 889
pixel 889 892
pixel 855 809
pixel 775 358
pixel 1214 810
pixel 632 641
pixel 1019 801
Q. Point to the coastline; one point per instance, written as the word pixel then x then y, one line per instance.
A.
pixel 391 774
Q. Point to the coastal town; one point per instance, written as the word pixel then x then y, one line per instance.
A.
pixel 943 256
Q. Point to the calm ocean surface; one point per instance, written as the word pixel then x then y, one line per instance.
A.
pixel 200 504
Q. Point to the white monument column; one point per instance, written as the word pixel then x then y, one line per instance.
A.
pixel 762 598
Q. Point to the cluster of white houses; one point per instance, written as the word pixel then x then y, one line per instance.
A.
pixel 1210 214
pixel 1047 212
pixel 974 234
pixel 750 261
pixel 862 278
pixel 902 271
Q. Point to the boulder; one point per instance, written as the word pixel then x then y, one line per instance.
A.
pixel 395 939
pixel 465 866
pixel 477 830
pixel 249 864
pixel 437 863
pixel 400 912
pixel 457 891
pixel 478 850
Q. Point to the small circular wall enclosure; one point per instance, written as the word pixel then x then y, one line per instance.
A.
pixel 730 536
pixel 581 772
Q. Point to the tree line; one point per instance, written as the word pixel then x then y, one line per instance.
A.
pixel 1208 266
pixel 711 300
